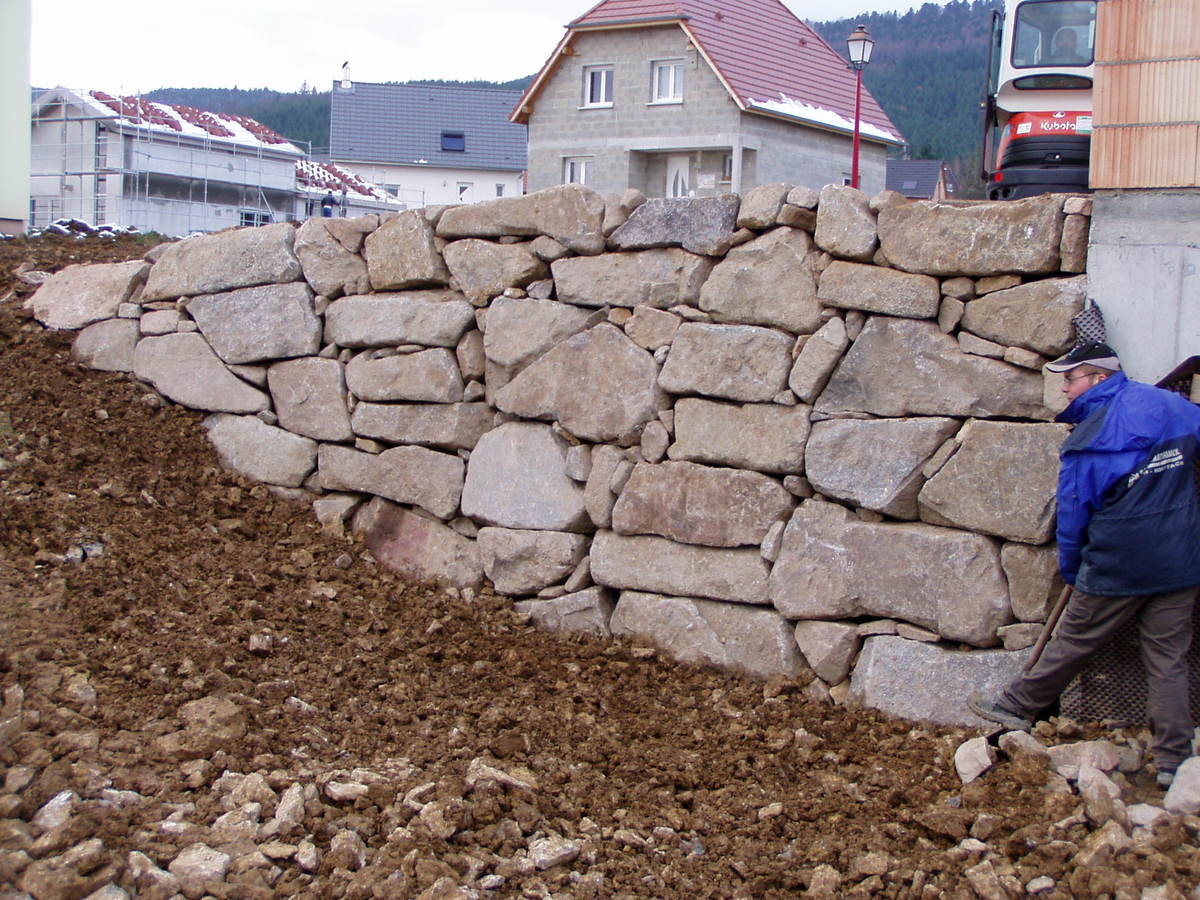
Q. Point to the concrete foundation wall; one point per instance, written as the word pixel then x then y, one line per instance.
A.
pixel 1144 274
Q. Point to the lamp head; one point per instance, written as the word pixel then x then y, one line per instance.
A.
pixel 859 46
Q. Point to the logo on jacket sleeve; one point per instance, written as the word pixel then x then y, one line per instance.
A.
pixel 1159 462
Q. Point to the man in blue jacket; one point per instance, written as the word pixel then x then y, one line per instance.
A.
pixel 1128 541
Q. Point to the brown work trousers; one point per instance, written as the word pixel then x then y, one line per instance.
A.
pixel 1087 624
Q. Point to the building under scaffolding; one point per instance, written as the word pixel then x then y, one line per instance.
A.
pixel 172 169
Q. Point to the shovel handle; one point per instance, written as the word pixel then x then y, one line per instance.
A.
pixel 1051 624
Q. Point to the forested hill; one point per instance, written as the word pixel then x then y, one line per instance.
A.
pixel 927 71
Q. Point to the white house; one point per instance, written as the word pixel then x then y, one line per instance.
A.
pixel 429 144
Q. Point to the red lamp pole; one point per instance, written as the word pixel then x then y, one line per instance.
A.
pixel 859 46
pixel 857 119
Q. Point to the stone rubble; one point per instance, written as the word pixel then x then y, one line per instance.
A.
pixel 574 396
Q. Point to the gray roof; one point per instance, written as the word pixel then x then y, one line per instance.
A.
pixel 918 177
pixel 403 124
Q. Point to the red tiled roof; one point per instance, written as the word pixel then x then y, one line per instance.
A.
pixel 167 115
pixel 758 48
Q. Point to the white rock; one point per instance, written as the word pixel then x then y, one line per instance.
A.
pixel 553 851
pixel 516 478
pixel 973 758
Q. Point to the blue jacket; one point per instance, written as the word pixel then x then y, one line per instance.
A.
pixel 1128 513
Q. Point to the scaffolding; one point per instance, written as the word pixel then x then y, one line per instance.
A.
pixel 89 164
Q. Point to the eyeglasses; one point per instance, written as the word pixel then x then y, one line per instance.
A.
pixel 1069 380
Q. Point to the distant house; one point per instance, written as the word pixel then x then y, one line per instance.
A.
pixel 173 169
pixel 352 195
pixel 428 144
pixel 696 98
pixel 924 179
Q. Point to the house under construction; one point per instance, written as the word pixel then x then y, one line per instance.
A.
pixel 174 169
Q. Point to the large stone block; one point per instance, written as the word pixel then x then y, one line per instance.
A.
pixel 1036 315
pixel 876 289
pixel 875 464
pixel 702 225
pixel 598 384
pixel 930 682
pixel 310 398
pixel 107 345
pixel 274 321
pixel 903 367
pixel 517 478
pixel 483 269
pixel 570 213
pixel 747 640
pixel 329 267
pixel 1001 481
pixel 418 547
pixel 663 566
pixel 429 375
pixel 413 475
pixel 832 566
pixel 260 451
pixel 583 612
pixel 761 204
pixel 523 562
pixel 449 426
pixel 1034 582
pixel 598 495
pixel 735 362
pixel 429 318
pixel 1014 236
pixel 818 358
pixel 768 281
pixel 182 367
pixel 694 504
pixel 658 278
pixel 211 263
pixel 82 294
pixel 761 436
pixel 845 223
pixel 519 331
pixel 351 232
pixel 402 253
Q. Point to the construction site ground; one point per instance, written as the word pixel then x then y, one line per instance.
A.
pixel 132 562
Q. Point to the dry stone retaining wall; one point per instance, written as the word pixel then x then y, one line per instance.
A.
pixel 785 435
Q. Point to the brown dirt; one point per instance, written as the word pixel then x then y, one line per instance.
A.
pixel 196 560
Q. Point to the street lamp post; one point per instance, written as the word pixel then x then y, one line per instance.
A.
pixel 859 45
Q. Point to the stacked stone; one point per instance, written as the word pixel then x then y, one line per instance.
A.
pixel 788 433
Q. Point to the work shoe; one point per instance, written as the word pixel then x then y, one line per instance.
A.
pixel 1164 779
pixel 993 711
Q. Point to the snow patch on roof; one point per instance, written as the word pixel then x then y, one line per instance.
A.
pixel 187 120
pixel 797 109
pixel 315 178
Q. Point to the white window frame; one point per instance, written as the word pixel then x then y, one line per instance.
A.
pixel 727 168
pixel 464 189
pixel 578 169
pixel 675 81
pixel 602 77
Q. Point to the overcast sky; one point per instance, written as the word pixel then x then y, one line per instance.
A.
pixel 131 46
